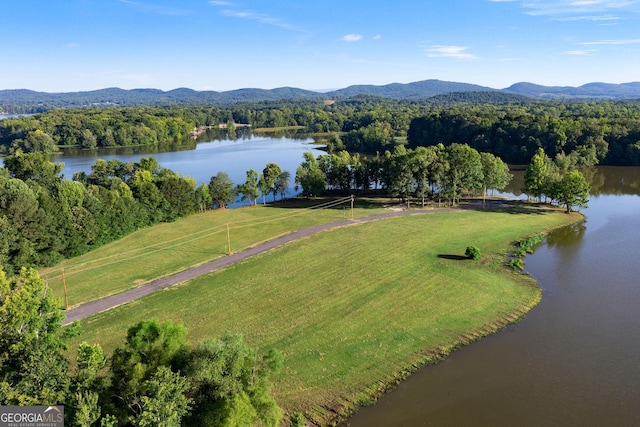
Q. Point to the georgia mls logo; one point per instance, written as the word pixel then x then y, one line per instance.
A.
pixel 31 416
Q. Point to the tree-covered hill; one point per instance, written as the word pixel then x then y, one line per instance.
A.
pixel 28 101
pixel 422 89
pixel 589 91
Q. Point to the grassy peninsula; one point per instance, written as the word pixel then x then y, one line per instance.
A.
pixel 355 309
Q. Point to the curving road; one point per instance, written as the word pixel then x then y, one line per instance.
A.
pixel 97 306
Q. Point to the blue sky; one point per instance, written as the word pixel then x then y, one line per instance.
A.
pixel 74 45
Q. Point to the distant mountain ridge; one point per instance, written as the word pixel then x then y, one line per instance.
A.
pixel 416 90
pixel 589 90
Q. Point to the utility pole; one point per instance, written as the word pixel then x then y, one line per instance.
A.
pixel 352 206
pixel 64 286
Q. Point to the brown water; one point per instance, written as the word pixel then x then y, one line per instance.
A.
pixel 574 360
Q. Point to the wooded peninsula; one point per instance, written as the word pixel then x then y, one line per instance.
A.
pixel 411 152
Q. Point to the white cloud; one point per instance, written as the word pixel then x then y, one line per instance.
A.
pixel 585 3
pixel 456 52
pixel 579 52
pixel 229 9
pixel 595 18
pixel 377 37
pixel 160 10
pixel 72 45
pixel 595 10
pixel 612 42
pixel 352 38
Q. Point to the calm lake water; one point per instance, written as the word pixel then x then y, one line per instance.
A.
pixel 204 159
pixel 574 360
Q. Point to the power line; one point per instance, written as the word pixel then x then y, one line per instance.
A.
pixel 71 270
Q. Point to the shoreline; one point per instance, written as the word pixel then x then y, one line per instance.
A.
pixel 433 356
pixel 330 397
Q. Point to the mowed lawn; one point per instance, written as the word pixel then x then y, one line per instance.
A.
pixel 357 308
pixel 168 248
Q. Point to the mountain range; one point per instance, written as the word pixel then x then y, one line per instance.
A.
pixel 416 90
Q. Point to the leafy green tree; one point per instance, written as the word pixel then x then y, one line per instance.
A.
pixel 82 406
pixel 34 166
pixel 179 192
pixel 495 172
pixel 535 175
pixel 249 189
pixel 310 177
pixel 26 235
pixel 36 141
pixel 465 171
pixel 230 383
pixel 282 183
pixel 573 190
pixel 222 190
pixel 401 174
pixel 149 196
pixel 203 197
pixel 149 345
pixel 149 164
pixel 270 176
pixel 438 172
pixel 421 160
pixel 83 409
pixel 33 367
pixel 164 402
pixel 87 139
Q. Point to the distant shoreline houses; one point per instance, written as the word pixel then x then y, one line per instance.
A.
pixel 197 131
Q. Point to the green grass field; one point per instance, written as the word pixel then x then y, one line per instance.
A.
pixel 171 247
pixel 355 309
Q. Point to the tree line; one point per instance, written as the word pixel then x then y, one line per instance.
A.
pixel 153 379
pixel 551 180
pixel 584 133
pixel 576 134
pixel 438 173
pixel 45 217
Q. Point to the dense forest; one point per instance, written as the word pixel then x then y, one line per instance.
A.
pixel 511 127
pixel 45 217
pixel 154 378
pixel 584 134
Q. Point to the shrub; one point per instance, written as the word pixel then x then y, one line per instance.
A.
pixel 297 420
pixel 472 252
pixel 516 264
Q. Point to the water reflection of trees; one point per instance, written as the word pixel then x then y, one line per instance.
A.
pixel 123 151
pixel 567 236
pixel 615 180
pixel 603 180
pixel 243 133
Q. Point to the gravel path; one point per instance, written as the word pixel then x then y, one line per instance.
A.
pixel 97 306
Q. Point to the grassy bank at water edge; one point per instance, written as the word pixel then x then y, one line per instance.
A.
pixel 355 309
